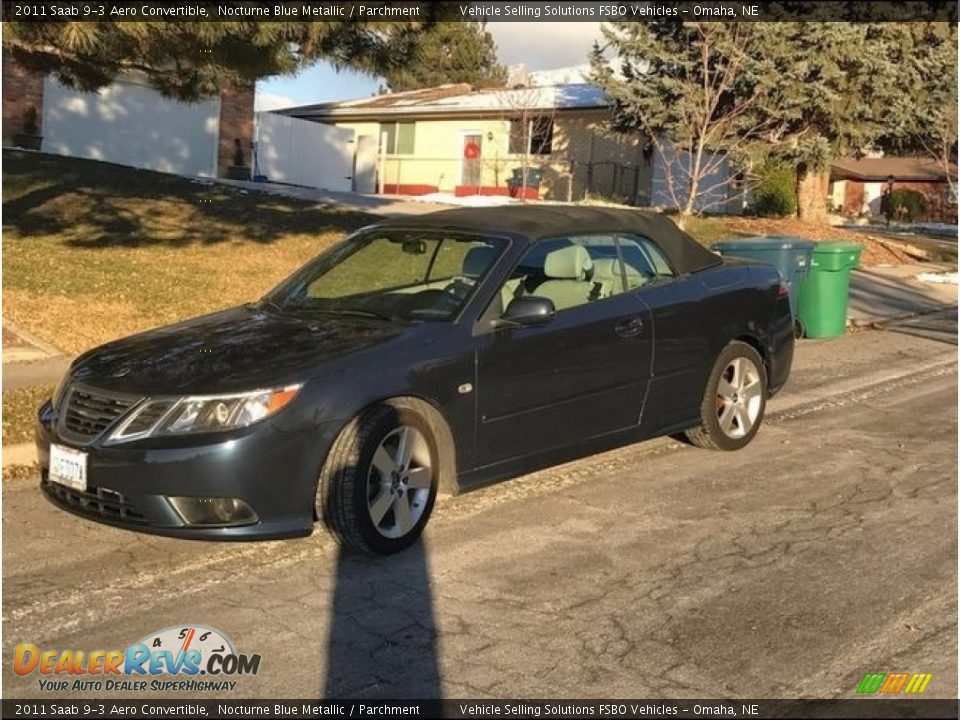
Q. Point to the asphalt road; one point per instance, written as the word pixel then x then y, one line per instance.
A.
pixel 824 550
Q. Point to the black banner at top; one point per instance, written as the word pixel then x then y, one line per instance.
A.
pixel 486 10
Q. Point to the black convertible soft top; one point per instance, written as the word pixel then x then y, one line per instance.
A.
pixel 538 222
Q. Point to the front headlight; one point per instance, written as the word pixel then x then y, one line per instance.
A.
pixel 202 413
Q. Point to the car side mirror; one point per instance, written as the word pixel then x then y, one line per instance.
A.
pixel 526 311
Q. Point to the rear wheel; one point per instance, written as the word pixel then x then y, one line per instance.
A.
pixel 378 486
pixel 734 401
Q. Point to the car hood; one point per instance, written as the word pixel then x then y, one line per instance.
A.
pixel 243 348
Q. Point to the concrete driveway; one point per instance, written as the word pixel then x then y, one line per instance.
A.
pixel 825 550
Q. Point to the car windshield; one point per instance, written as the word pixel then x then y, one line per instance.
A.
pixel 393 275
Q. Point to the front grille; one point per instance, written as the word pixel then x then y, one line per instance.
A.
pixel 87 412
pixel 102 502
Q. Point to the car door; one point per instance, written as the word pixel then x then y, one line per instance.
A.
pixel 580 375
pixel 684 354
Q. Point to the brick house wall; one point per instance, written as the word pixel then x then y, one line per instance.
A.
pixel 936 196
pixel 853 196
pixel 22 89
pixel 236 123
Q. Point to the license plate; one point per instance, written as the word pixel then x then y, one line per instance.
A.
pixel 68 467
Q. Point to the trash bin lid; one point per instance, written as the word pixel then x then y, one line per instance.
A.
pixel 765 242
pixel 837 247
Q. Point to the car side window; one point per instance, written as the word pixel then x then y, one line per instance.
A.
pixel 569 271
pixel 644 261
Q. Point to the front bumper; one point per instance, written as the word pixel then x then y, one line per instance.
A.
pixel 272 470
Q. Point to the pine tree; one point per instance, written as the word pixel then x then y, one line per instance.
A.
pixel 189 60
pixel 697 92
pixel 923 119
pixel 801 92
pixel 838 82
pixel 451 52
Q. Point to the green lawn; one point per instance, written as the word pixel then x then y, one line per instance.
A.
pixel 94 251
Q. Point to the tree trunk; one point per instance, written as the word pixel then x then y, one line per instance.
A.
pixel 812 189
pixel 681 219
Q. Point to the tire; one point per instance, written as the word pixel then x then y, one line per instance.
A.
pixel 362 480
pixel 732 408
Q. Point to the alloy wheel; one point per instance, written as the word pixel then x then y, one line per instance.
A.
pixel 399 481
pixel 739 397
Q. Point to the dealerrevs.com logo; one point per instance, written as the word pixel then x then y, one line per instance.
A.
pixel 187 658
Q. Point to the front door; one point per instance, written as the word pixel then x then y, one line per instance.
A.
pixel 471 171
pixel 581 375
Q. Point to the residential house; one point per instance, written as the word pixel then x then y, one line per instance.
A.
pixel 857 185
pixel 130 123
pixel 454 139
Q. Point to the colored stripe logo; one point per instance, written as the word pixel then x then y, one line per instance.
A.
pixel 894 683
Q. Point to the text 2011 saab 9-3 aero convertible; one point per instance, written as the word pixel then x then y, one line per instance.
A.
pixel 420 355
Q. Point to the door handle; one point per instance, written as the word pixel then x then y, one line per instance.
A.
pixel 629 328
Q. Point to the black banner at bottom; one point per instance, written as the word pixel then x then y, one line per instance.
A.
pixel 476 709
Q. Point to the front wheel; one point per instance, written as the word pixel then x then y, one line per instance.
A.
pixel 378 486
pixel 734 401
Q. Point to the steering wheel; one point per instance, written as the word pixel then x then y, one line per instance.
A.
pixel 460 288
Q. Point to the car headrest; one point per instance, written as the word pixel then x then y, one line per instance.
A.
pixel 477 260
pixel 569 263
pixel 609 269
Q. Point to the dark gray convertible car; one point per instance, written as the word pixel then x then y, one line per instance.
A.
pixel 420 355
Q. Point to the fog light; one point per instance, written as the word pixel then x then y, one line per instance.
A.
pixel 213 510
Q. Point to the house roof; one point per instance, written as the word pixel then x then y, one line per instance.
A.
pixel 539 222
pixel 456 99
pixel 904 169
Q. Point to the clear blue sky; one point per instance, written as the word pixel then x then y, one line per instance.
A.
pixel 566 43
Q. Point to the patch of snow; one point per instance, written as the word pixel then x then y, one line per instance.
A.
pixel 561 76
pixel 947 278
pixel 927 228
pixel 465 201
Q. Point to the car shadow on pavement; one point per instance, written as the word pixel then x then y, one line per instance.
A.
pixel 383 637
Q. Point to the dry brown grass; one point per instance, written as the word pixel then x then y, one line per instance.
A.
pixel 20 411
pixel 94 251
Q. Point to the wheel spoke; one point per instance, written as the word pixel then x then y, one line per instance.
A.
pixel 751 391
pixel 725 389
pixel 726 418
pixel 383 463
pixel 380 505
pixel 735 378
pixel 419 478
pixel 404 448
pixel 743 420
pixel 401 512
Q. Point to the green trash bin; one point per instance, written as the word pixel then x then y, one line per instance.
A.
pixel 790 255
pixel 822 306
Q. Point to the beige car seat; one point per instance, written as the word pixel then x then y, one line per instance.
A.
pixel 567 270
pixel 606 274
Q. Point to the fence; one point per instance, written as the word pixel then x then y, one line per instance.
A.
pixel 561 178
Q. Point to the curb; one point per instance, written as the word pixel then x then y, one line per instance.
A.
pixel 44 348
pixel 878 322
